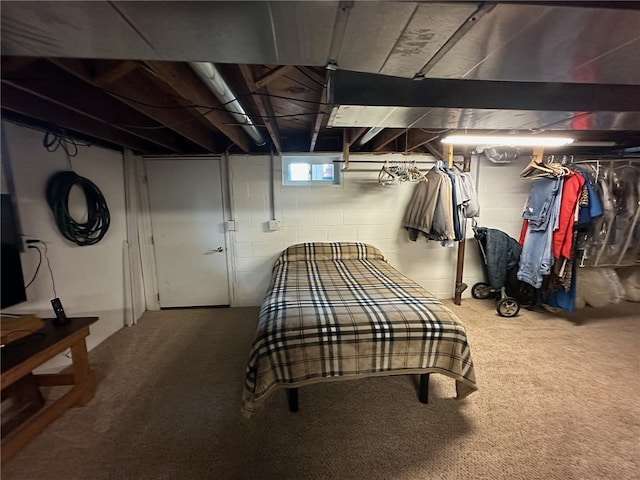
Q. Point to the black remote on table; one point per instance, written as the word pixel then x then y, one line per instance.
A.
pixel 61 318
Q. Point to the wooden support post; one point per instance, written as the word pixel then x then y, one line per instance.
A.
pixel 538 154
pixel 82 373
pixel 345 147
pixel 449 155
pixel 460 285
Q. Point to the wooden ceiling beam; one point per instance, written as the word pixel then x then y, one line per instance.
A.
pixel 434 151
pixel 314 75
pixel 357 133
pixel 319 119
pixel 107 77
pixel 270 76
pixel 186 84
pixel 139 95
pixel 387 136
pixel 73 94
pixel 11 65
pixel 416 138
pixel 263 104
pixel 24 103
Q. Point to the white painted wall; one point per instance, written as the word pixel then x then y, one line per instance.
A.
pixel 90 280
pixel 94 280
pixel 358 210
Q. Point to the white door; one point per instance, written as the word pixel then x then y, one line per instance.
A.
pixel 187 220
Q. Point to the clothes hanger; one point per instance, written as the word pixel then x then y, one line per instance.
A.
pixel 558 168
pixel 535 169
pixel 386 176
pixel 415 175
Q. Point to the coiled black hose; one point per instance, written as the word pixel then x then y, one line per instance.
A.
pixel 94 229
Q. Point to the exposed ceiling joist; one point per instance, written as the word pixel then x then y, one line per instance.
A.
pixel 357 133
pixel 68 92
pixel 23 103
pixel 185 84
pixel 385 138
pixel 113 74
pixel 438 153
pixel 263 104
pixel 484 66
pixel 270 76
pixel 315 76
pixel 11 65
pixel 136 92
pixel 320 117
pixel 416 138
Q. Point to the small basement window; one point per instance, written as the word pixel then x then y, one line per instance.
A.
pixel 311 170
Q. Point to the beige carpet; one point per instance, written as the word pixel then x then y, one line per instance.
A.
pixel 558 399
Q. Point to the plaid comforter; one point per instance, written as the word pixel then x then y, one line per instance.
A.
pixel 339 310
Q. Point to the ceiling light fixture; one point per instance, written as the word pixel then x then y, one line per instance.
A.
pixel 510 140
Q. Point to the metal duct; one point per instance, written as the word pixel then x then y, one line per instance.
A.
pixel 501 155
pixel 211 76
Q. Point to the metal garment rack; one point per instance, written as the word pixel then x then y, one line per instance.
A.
pixel 611 164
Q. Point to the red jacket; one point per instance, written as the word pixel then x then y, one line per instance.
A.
pixel 563 236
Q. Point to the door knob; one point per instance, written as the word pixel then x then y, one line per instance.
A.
pixel 217 250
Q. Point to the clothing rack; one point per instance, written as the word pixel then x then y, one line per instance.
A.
pixel 418 162
pixel 620 226
pixel 450 160
pixel 609 243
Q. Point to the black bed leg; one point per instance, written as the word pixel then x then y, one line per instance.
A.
pixel 423 395
pixel 292 397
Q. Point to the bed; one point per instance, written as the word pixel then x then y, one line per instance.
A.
pixel 338 311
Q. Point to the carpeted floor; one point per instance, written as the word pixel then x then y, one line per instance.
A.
pixel 559 398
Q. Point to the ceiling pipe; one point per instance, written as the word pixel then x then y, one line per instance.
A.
pixel 208 72
pixel 372 132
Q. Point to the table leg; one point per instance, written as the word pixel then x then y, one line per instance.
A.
pixel 83 376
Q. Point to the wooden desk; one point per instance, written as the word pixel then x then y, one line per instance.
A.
pixel 20 358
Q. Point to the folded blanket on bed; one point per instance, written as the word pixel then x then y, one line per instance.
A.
pixel 340 311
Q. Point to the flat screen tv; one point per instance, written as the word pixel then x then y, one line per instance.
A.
pixel 13 289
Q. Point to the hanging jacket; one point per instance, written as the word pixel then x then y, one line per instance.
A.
pixel 422 206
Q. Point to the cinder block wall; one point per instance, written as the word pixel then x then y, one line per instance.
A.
pixel 358 210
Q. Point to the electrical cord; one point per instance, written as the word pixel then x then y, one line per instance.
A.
pixel 215 108
pixel 35 274
pixel 57 138
pixel 46 256
pixel 53 282
pixel 98 219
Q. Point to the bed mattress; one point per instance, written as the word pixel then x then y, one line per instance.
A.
pixel 337 311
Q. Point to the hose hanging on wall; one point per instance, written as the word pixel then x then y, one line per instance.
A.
pixel 90 232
